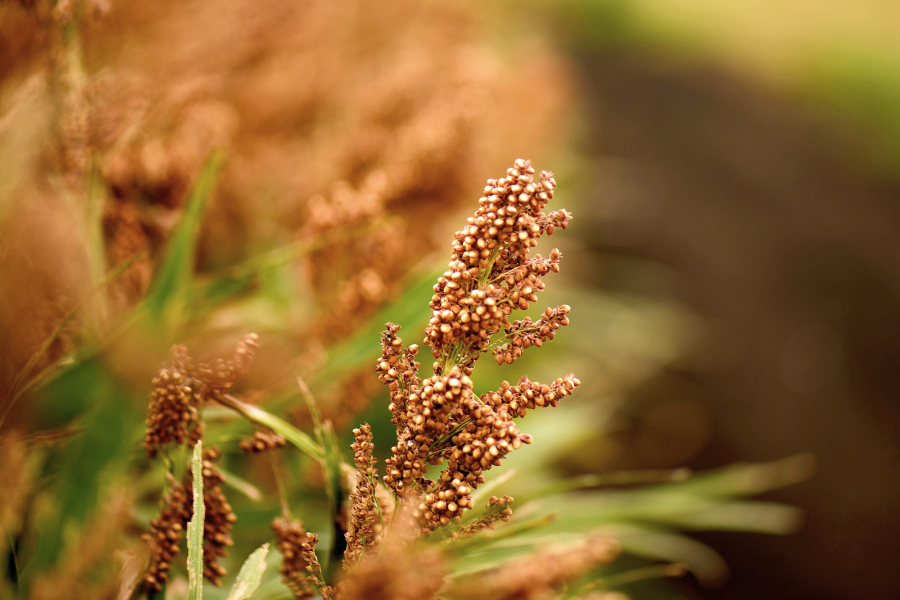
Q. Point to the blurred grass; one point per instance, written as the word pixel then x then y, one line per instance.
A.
pixel 617 340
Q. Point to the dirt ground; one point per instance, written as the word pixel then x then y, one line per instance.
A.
pixel 758 216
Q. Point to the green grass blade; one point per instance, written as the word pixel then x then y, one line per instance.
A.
pixel 241 485
pixel 170 291
pixel 746 479
pixel 251 573
pixel 108 418
pixel 257 415
pixel 620 478
pixel 333 478
pixel 195 528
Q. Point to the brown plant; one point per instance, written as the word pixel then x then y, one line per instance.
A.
pixel 490 275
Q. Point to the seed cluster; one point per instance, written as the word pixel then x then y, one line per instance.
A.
pixel 299 560
pixel 180 390
pixel 263 440
pixel 219 520
pixel 364 512
pixel 165 535
pixel 220 374
pixel 172 414
pixel 490 274
pixel 498 509
pixel 440 418
pixel 528 394
pixel 525 333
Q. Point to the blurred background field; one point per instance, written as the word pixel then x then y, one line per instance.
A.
pixel 189 172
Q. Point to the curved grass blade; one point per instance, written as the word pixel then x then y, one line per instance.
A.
pixel 170 290
pixel 250 575
pixel 333 478
pixel 279 426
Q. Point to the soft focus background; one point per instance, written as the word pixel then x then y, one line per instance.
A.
pixel 188 172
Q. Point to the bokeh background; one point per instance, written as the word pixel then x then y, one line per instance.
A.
pixel 733 167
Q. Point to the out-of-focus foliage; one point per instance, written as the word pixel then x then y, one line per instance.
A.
pixel 192 218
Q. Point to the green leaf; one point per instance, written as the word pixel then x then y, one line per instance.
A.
pixel 745 479
pixel 279 426
pixel 333 479
pixel 662 544
pixel 241 485
pixel 195 528
pixel 250 575
pixel 109 419
pixel 170 291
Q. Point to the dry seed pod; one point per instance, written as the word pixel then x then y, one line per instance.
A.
pixel 219 520
pixel 165 535
pixel 291 538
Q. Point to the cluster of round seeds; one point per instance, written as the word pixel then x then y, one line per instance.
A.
pixel 484 282
pixel 171 414
pixel 529 394
pixel 483 443
pixel 489 276
pixel 165 535
pixel 398 370
pixel 526 333
pixel 219 520
pixel 444 505
pixel 263 440
pixel 431 412
pixel 221 374
pixel 363 513
pixel 290 538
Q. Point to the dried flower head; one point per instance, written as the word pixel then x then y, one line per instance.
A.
pixel 300 570
pixel 219 519
pixel 181 388
pixel 490 275
pixel 172 414
pixel 361 532
pixel 165 534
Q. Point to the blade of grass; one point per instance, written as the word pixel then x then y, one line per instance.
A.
pixel 587 482
pixel 250 575
pixel 241 485
pixel 169 292
pixel 333 479
pixel 299 439
pixel 744 479
pixel 484 540
pixel 195 528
